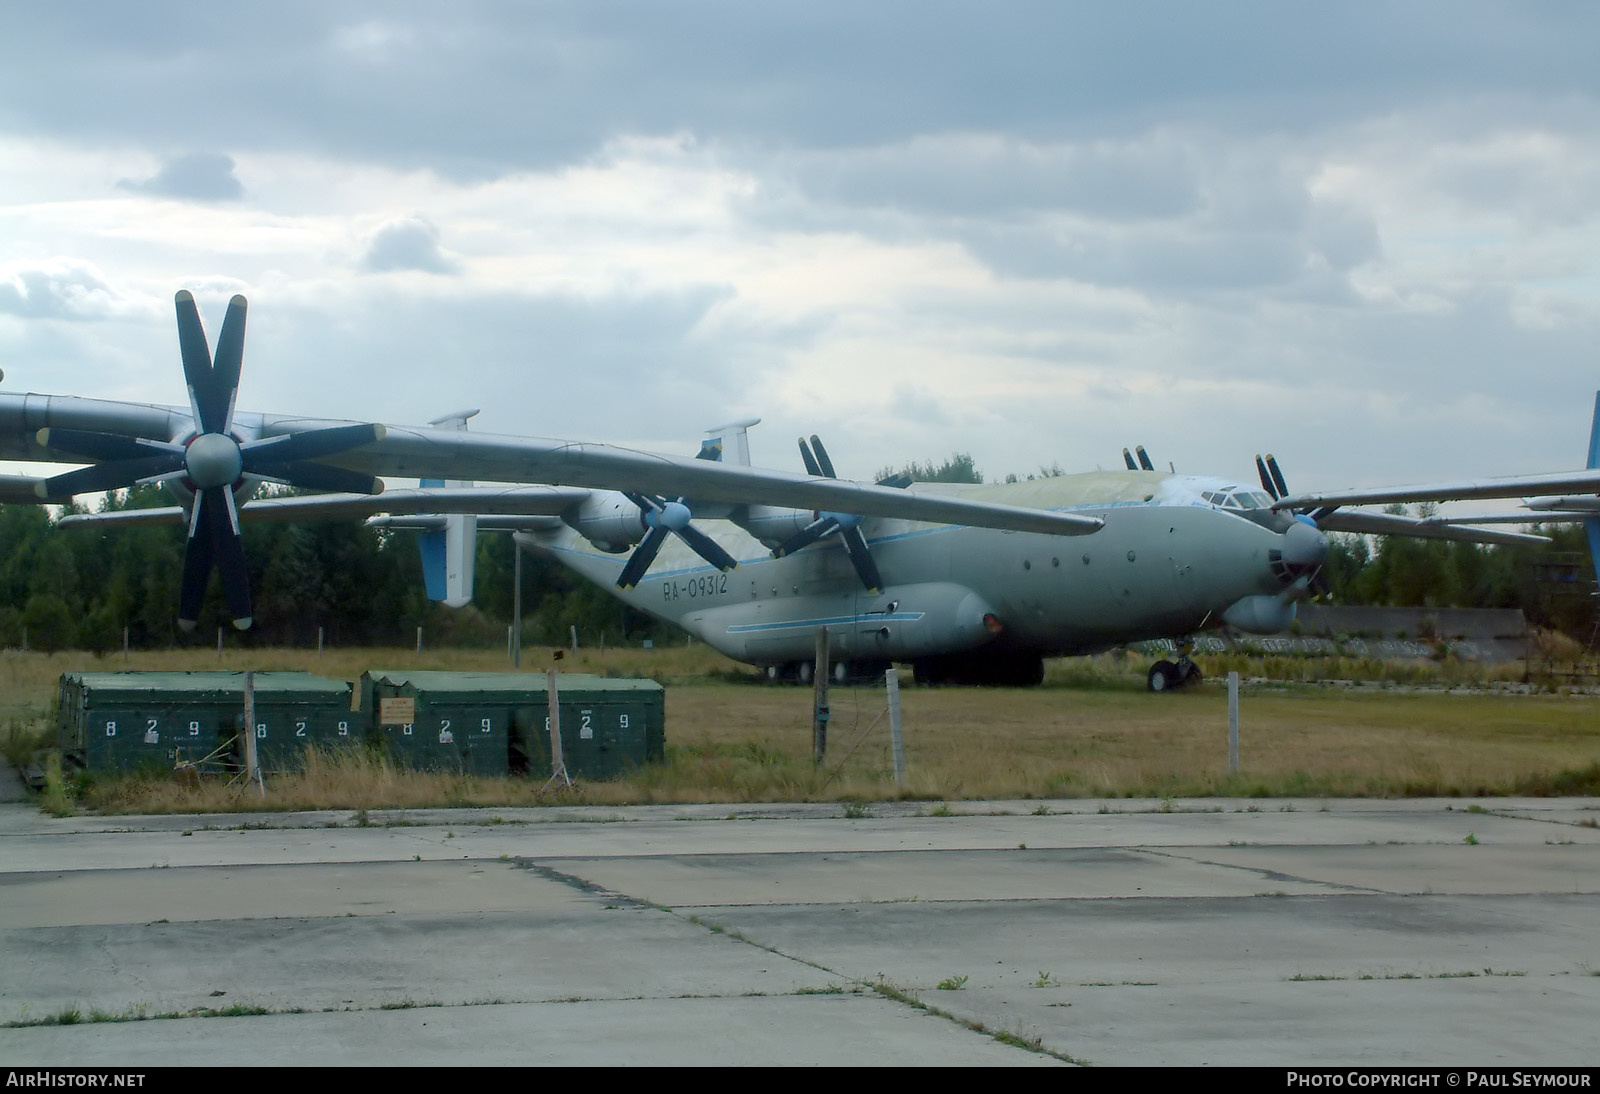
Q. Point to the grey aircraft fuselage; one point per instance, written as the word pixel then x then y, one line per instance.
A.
pixel 1177 554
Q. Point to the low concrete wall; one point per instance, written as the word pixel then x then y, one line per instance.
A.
pixel 1468 634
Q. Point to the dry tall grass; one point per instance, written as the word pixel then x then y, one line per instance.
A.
pixel 1091 731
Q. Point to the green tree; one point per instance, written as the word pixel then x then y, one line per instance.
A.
pixel 959 467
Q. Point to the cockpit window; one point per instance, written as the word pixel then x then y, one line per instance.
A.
pixel 1238 499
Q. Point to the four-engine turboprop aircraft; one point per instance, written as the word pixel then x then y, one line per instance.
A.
pixel 967 583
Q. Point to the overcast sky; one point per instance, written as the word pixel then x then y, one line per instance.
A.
pixel 1364 236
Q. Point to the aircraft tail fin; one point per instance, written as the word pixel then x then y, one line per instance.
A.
pixel 450 554
pixel 1591 525
pixel 729 443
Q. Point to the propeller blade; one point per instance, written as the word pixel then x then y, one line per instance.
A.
pixel 103 446
pixel 316 476
pixel 645 502
pixel 810 461
pixel 806 536
pixel 1127 458
pixel 229 550
pixel 196 360
pixel 1144 458
pixel 309 444
pixel 1266 481
pixel 855 544
pixel 226 364
pixel 822 457
pixel 1326 511
pixel 198 555
pixel 707 548
pixel 1277 476
pixel 109 476
pixel 642 557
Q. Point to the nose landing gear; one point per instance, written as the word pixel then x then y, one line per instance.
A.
pixel 1172 675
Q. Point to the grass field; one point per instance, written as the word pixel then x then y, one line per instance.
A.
pixel 1091 731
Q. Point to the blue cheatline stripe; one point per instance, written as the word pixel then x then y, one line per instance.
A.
pixel 831 621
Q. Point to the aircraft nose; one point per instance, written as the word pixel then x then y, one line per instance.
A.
pixel 1303 551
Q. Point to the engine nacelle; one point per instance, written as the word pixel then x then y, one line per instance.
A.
pixel 608 520
pixel 771 524
pixel 1261 614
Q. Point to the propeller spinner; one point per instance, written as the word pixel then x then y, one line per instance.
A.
pixel 661 519
pixel 211 462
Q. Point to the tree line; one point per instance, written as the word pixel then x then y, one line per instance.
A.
pixel 80 586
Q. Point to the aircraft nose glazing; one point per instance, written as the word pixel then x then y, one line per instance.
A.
pixel 1301 551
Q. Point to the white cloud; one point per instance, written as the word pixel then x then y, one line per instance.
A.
pixel 63 288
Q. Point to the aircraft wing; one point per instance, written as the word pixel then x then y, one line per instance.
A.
pixel 1517 487
pixel 428 453
pixel 424 453
pixel 1385 524
pixel 508 501
pixel 1541 517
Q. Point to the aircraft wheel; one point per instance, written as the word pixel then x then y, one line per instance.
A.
pixel 1163 676
pixel 1191 676
pixel 802 671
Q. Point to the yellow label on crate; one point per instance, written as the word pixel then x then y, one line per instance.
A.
pixel 397 711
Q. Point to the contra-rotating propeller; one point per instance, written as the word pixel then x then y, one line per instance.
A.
pixel 848 525
pixel 211 461
pixel 661 519
pixel 1273 482
pixel 1277 488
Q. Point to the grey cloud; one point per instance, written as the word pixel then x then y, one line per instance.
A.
pixel 201 176
pixel 67 292
pixel 496 86
pixel 619 367
pixel 965 175
pixel 406 243
pixel 1344 237
pixel 1182 259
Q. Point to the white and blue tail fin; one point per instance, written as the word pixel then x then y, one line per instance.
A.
pixel 1591 525
pixel 450 553
pixel 728 443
